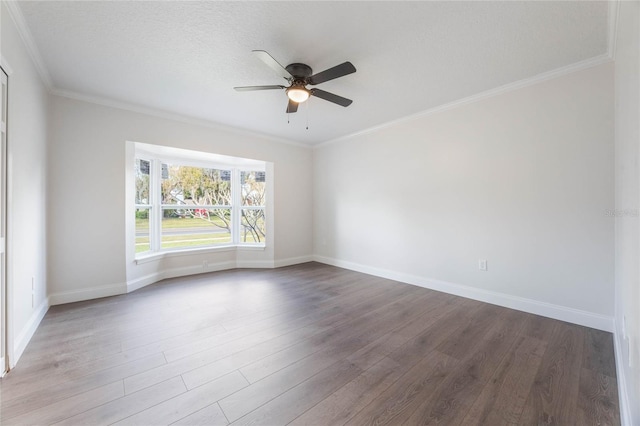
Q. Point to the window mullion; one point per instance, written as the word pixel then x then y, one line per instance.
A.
pixel 155 224
pixel 236 205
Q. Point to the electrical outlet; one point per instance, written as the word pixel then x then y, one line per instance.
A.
pixel 482 264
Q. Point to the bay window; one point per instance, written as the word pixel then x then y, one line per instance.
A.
pixel 188 203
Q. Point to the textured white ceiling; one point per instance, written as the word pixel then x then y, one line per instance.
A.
pixel 186 57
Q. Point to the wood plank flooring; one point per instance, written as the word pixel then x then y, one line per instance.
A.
pixel 308 344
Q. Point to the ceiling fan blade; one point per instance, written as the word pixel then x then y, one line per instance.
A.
pixel 272 63
pixel 331 97
pixel 335 72
pixel 251 88
pixel 292 107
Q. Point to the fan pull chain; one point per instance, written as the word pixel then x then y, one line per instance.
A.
pixel 308 114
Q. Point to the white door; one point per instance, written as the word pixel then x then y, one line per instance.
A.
pixel 3 225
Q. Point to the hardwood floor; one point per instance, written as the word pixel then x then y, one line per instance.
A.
pixel 307 345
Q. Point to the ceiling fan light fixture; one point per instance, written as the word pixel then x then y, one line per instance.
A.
pixel 298 94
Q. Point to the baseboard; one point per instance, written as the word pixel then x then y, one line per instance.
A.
pixel 115 289
pixel 254 264
pixel 87 294
pixel 292 261
pixel 563 313
pixel 138 283
pixel 177 272
pixel 24 337
pixel 623 393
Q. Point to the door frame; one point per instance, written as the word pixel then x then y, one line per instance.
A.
pixel 5 290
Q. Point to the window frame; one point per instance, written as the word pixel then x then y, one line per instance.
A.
pixel 156 207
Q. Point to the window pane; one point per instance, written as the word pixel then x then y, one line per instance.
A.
pixel 195 186
pixel 253 188
pixel 142 181
pixel 183 228
pixel 142 230
pixel 253 226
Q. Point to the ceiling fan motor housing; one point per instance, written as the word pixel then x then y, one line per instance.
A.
pixel 299 71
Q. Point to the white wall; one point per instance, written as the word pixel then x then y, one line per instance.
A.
pixel 27 152
pixel 627 147
pixel 88 162
pixel 521 179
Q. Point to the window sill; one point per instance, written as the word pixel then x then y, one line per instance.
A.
pixel 153 257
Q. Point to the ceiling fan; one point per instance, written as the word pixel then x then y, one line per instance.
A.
pixel 299 76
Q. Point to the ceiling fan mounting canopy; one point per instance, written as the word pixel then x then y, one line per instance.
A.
pixel 300 75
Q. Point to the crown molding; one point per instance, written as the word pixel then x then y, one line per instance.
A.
pixel 18 19
pixel 168 115
pixel 27 39
pixel 549 75
pixel 613 13
pixel 25 34
pixel 5 65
